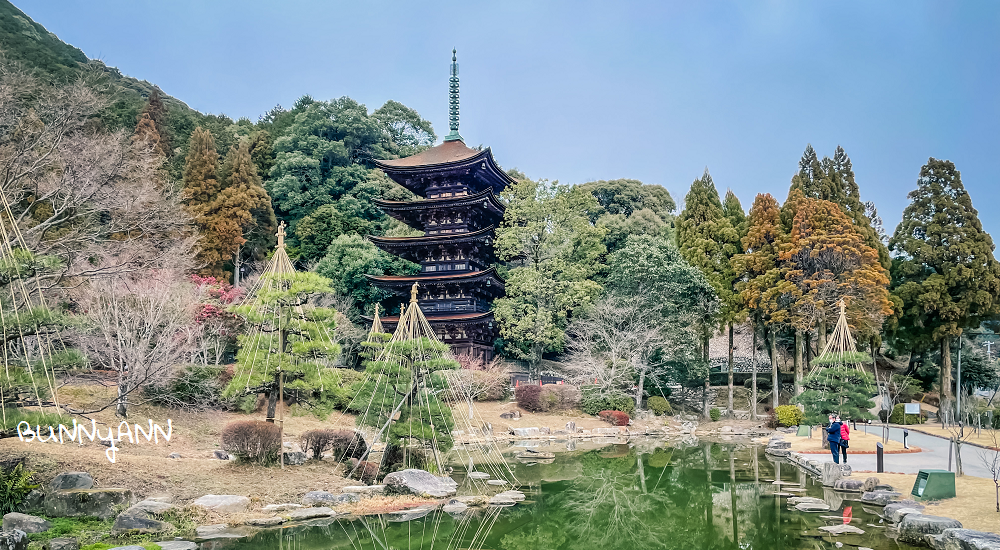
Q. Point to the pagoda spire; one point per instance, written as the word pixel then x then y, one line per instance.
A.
pixel 453 100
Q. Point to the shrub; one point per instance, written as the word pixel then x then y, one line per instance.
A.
pixel 558 397
pixel 15 484
pixel 659 406
pixel 316 441
pixel 615 418
pixel 897 416
pixel 593 403
pixel 252 441
pixel 529 398
pixel 772 420
pixel 366 471
pixel 715 414
pixel 789 415
pixel 194 386
pixel 347 444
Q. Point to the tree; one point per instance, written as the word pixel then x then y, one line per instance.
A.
pixel 349 258
pixel 630 207
pixel 706 238
pixel 287 335
pixel 156 112
pixel 759 270
pixel 944 270
pixel 554 250
pixel 242 207
pixel 841 390
pixel 140 326
pixel 734 311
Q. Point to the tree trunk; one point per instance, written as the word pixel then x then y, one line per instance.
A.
pixel 708 376
pixel 638 391
pixel 272 403
pixel 730 370
pixel 236 266
pixel 753 374
pixel 821 334
pixel 799 341
pixel 775 382
pixel 946 391
pixel 121 408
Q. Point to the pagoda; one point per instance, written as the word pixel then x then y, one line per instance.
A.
pixel 458 213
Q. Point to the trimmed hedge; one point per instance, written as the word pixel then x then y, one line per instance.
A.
pixel 252 441
pixel 591 403
pixel 529 398
pixel 789 415
pixel 715 414
pixel 659 406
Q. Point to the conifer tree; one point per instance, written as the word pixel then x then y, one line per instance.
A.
pixel 201 191
pixel 704 238
pixel 759 267
pixel 841 390
pixel 146 133
pixel 242 208
pixel 734 311
pixel 944 271
pixel 156 110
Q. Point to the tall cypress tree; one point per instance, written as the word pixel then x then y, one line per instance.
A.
pixel 242 210
pixel 704 235
pixel 201 167
pixel 944 270
pixel 733 311
pixel 156 110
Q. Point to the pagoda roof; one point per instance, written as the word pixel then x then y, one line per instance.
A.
pixel 405 281
pixel 453 317
pixel 469 236
pixel 450 160
pixel 406 211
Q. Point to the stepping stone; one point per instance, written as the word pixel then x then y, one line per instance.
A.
pixel 281 507
pixel 497 482
pixel 843 529
pixel 310 513
pixel 793 489
pixel 783 494
pixel 223 504
pixel 479 475
pixel 265 522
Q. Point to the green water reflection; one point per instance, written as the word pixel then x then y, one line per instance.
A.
pixel 618 497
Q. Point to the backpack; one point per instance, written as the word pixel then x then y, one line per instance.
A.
pixel 845 431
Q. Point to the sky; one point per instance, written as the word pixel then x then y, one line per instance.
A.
pixel 577 91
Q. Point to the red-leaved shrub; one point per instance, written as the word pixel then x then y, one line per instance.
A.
pixel 252 440
pixel 529 398
pixel 363 471
pixel 615 418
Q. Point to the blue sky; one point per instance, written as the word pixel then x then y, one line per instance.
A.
pixel 578 91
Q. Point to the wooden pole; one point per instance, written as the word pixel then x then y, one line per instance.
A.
pixel 281 417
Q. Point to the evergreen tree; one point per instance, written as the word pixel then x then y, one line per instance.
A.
pixel 286 333
pixel 156 110
pixel 944 270
pixel 734 311
pixel 241 209
pixel 349 258
pixel 841 390
pixel 146 134
pixel 201 179
pixel 759 268
pixel 705 237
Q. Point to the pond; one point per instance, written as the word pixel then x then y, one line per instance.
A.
pixel 642 495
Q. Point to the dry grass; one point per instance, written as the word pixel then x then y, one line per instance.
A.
pixel 986 438
pixel 381 504
pixel 861 442
pixel 975 506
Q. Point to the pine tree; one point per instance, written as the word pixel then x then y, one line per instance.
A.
pixel 944 271
pixel 759 267
pixel 705 238
pixel 843 391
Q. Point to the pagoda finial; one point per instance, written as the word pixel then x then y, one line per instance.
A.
pixel 453 100
pixel 281 235
pixel 413 293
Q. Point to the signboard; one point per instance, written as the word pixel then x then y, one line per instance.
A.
pixel 911 408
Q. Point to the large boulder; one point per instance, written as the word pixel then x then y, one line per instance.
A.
pixel 33 501
pixel 294 458
pixel 127 524
pixel 870 484
pixel 894 511
pixel 26 523
pixel 420 483
pixel 13 540
pixel 310 513
pixel 221 531
pixel 69 481
pixel 101 503
pixel 223 504
pixel 831 473
pixel 879 498
pixel 967 539
pixel 63 543
pixel 849 485
pixel 913 528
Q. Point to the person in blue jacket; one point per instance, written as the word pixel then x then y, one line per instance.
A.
pixel 833 436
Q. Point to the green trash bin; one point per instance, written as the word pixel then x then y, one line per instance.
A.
pixel 934 485
pixel 803 431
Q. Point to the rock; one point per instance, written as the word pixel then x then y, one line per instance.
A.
pixel 532 454
pixel 101 503
pixel 221 455
pixel 894 511
pixel 294 458
pixel 312 498
pixel 33 501
pixel 501 500
pixel 846 470
pixel 478 475
pixel 420 483
pixel 849 485
pixel 544 430
pixel 914 527
pixel 68 481
pixel 175 455
pixel 512 415
pixel 726 429
pixel 150 507
pixel 880 498
pixel 571 427
pixel 967 539
pixel 66 543
pixel 497 482
pixel 363 489
pixel 138 524
pixel 516 496
pixel 26 523
pixel 265 522
pixel 455 507
pixel 842 529
pixel 831 473
pixel 812 507
pixel 472 500
pixel 527 432
pixel 870 484
pixel 14 540
pixel 310 513
pixel 221 531
pixel 411 514
pixel 271 508
pixel 177 545
pixel 883 487
pixel 224 504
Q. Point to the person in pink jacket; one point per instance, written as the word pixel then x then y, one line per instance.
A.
pixel 845 437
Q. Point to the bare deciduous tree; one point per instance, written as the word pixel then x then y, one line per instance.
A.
pixel 476 379
pixel 139 326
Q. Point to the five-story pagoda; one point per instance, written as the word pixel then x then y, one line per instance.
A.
pixel 458 216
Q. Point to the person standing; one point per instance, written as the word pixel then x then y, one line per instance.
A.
pixel 845 437
pixel 833 437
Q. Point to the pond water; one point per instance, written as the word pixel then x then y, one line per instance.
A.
pixel 619 497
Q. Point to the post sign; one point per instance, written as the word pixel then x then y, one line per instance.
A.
pixel 911 408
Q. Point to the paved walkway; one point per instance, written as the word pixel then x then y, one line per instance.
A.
pixel 933 456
